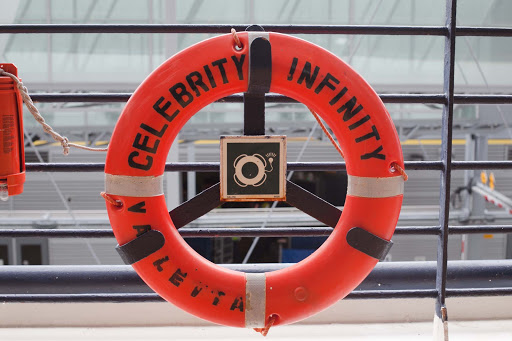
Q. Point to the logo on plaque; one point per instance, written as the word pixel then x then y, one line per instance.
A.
pixel 253 168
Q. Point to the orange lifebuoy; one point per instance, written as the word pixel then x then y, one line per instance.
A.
pixel 200 75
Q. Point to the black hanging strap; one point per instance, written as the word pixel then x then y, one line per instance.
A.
pixel 310 204
pixel 196 207
pixel 260 76
pixel 260 66
pixel 144 245
pixel 368 243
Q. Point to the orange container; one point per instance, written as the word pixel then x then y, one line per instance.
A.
pixel 12 154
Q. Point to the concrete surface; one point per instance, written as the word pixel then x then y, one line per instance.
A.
pixel 496 330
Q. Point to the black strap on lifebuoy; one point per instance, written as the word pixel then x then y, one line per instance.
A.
pixel 260 64
pixel 260 76
pixel 310 204
pixel 196 207
pixel 144 245
pixel 368 243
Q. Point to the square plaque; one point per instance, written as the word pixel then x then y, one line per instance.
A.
pixel 253 168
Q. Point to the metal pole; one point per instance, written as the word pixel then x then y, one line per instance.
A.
pixel 441 318
pixel 49 43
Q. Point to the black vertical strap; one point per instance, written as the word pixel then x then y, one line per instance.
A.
pixel 260 66
pixel 260 75
pixel 254 114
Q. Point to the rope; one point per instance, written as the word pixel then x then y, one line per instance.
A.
pixel 63 140
pixel 400 170
pixel 236 39
pixel 110 200
pixel 395 167
pixel 264 331
pixel 324 128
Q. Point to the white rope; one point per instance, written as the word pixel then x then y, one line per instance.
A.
pixel 63 140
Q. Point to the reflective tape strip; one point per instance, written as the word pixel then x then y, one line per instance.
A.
pixel 367 187
pixel 257 34
pixel 255 300
pixel 134 186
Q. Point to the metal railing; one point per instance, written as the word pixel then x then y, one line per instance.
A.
pixel 438 274
pixel 122 284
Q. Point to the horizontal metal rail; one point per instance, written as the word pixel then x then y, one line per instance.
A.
pixel 203 232
pixel 151 297
pixel 476 229
pixel 481 99
pixel 211 232
pixel 96 283
pixel 272 98
pixel 107 279
pixel 474 292
pixel 292 166
pixel 219 29
pixel 476 165
pixel 289 29
pixel 467 31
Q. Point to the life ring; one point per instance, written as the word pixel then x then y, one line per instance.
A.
pixel 209 71
pixel 241 179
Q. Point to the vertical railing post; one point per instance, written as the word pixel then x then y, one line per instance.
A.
pixel 441 315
